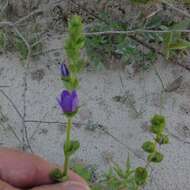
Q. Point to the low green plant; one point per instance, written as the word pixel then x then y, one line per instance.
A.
pixel 140 49
pixel 176 42
pixel 118 178
pixel 22 44
pixel 100 48
pixel 132 179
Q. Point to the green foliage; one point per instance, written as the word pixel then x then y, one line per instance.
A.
pixel 21 48
pixel 149 146
pixel 157 129
pixel 70 83
pixel 122 48
pixel 156 157
pixel 187 2
pixel 158 124
pixel 36 45
pixel 141 175
pixel 118 178
pixel 141 1
pixel 175 41
pixel 74 43
pixel 10 41
pixel 97 187
pixel 158 120
pixel 127 49
pixel 131 48
pixel 72 148
pixel 2 39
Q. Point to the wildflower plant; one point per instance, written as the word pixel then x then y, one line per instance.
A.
pixel 69 100
pixel 134 179
pixel 117 178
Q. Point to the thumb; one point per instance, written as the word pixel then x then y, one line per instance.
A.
pixel 69 185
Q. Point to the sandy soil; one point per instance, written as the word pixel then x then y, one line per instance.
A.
pixel 116 108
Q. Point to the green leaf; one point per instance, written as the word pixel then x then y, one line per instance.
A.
pixel 182 25
pixel 128 163
pixel 141 175
pixel 173 40
pixel 167 40
pixel 155 157
pixel 158 124
pixel 70 83
pixel 154 22
pixel 80 42
pixel 149 147
pixel 72 148
pixel 75 42
pixel 119 171
pixel 158 120
pixel 21 48
pixel 97 187
pixel 157 129
pixel 179 45
pixel 2 40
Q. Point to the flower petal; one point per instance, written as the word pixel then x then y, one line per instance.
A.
pixel 64 94
pixel 67 104
pixel 68 101
pixel 75 101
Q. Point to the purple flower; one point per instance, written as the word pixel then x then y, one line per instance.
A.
pixel 68 101
pixel 64 70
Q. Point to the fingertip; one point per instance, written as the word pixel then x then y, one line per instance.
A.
pixel 75 177
pixel 74 185
pixel 69 185
pixel 24 170
pixel 6 186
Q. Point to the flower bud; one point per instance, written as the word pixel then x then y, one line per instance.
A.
pixel 69 101
pixel 64 70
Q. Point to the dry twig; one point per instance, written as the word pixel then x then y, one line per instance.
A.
pixel 183 12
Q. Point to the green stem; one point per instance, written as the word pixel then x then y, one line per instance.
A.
pixel 67 144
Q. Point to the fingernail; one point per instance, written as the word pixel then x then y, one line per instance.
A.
pixel 72 185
